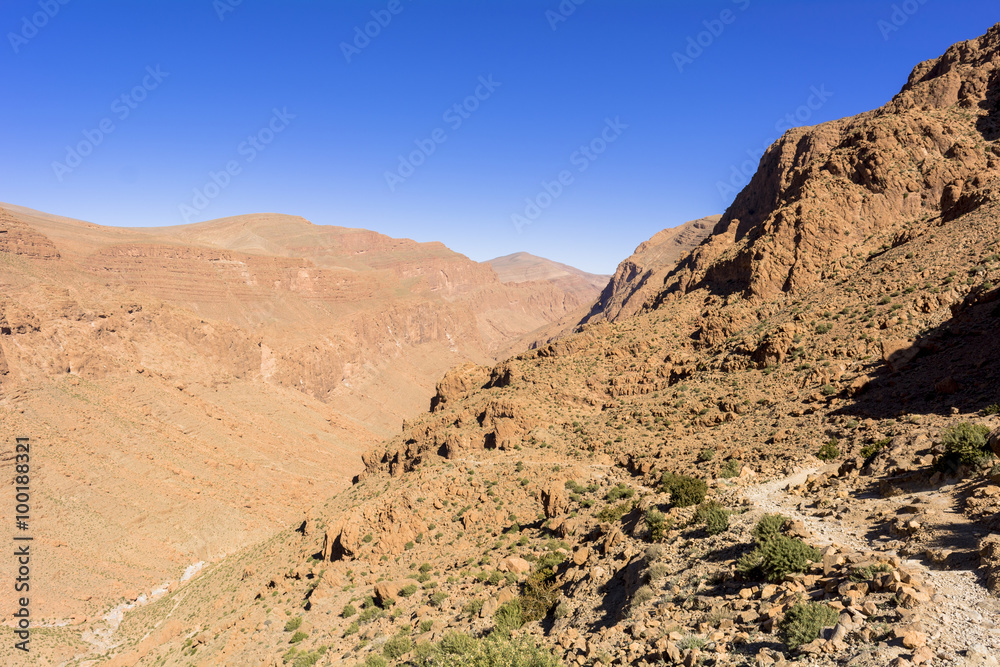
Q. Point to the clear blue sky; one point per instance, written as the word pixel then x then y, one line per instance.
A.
pixel 220 81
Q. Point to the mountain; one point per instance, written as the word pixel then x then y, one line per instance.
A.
pixel 785 454
pixel 641 276
pixel 523 267
pixel 234 370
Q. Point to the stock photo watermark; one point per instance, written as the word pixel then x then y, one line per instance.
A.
pixel 900 16
pixel 714 28
pixel 740 175
pixel 581 159
pixel 454 116
pixel 223 7
pixel 363 35
pixel 121 108
pixel 562 13
pixel 248 150
pixel 33 23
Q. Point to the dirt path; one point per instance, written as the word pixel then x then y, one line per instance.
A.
pixel 961 620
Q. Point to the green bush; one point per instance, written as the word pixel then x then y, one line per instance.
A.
pixel 397 647
pixel 348 610
pixel 829 451
pixel 782 556
pixel 706 455
pixel 803 623
pixel 713 516
pixel 620 491
pixel 408 590
pixel 293 624
pixel 874 448
pixel 297 637
pixel 425 626
pixel 768 527
pixel 539 593
pixel 658 524
pixel 730 469
pixel 613 513
pixel 375 661
pixel 497 650
pixel 684 491
pixel 967 443
pixel 508 617
pixel 437 599
pixel 457 643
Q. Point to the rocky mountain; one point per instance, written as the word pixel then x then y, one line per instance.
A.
pixel 523 267
pixel 234 370
pixel 641 276
pixel 787 453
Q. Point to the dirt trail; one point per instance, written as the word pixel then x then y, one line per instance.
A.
pixel 963 619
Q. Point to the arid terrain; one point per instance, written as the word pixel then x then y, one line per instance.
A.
pixel 771 440
pixel 191 389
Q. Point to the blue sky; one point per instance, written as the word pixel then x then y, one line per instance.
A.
pixel 578 132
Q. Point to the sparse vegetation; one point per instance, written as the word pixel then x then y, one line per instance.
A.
pixel 804 621
pixel 684 491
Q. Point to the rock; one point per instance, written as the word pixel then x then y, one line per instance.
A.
pixel 995 441
pixel 922 655
pixel 911 636
pixel 514 564
pixel 554 500
pixel 581 557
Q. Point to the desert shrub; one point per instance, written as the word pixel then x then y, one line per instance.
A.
pixel 684 491
pixel 658 524
pixel 508 617
pixel 425 626
pixel 497 650
pixel 730 469
pixel 992 410
pixel 803 623
pixel 828 390
pixel 397 647
pixel 425 568
pixel 829 451
pixel 353 628
pixel 749 564
pixel 706 455
pixel 293 624
pixel 713 516
pixel 348 610
pixel 613 513
pixel 375 661
pixel 874 448
pixel 642 595
pixel 297 637
pixel 539 593
pixel 967 443
pixel 473 607
pixel 768 527
pixel 619 492
pixel 657 571
pixel 438 598
pixel 408 590
pixel 426 653
pixel 868 573
pixel 457 643
pixel 782 556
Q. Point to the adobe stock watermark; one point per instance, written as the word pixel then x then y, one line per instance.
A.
pixel 247 150
pixel 581 159
pixel 121 108
pixel 562 13
pixel 30 25
pixel 740 175
pixel 714 28
pixel 454 116
pixel 223 7
pixel 363 35
pixel 899 17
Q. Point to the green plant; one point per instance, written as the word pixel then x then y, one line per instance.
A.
pixel 828 390
pixel 620 491
pixel 992 410
pixel 657 523
pixel 713 516
pixel 829 451
pixel 426 626
pixel 375 661
pixel 508 617
pixel 613 513
pixel 781 556
pixel 874 448
pixel 397 647
pixel 967 443
pixel 684 491
pixel 768 528
pixel 438 598
pixel 297 637
pixel 408 590
pixel 473 607
pixel 348 610
pixel 353 628
pixel 804 621
pixel 457 644
pixel 706 455
pixel 539 592
pixel 293 624
pixel 730 469
pixel 868 573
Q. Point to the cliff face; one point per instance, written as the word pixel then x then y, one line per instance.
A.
pixel 236 368
pixel 823 195
pixel 640 277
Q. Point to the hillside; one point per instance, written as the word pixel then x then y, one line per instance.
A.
pixel 641 276
pixel 523 267
pixel 828 355
pixel 234 370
